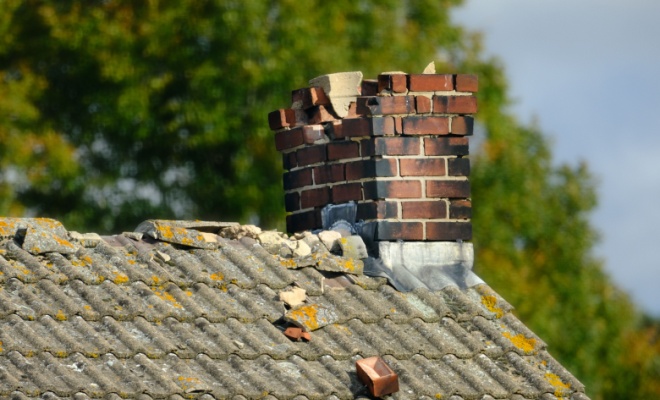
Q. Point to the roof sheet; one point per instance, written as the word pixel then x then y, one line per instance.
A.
pixel 131 316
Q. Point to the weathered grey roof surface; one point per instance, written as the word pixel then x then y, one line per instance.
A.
pixel 130 316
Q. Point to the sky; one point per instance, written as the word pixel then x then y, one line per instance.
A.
pixel 588 72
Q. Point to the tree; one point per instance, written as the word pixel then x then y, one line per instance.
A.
pixel 114 111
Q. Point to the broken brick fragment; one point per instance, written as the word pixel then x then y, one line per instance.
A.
pixel 377 376
pixel 293 332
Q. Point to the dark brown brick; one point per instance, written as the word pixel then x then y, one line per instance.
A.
pixel 289 160
pixel 460 209
pixel 467 83
pixel 311 155
pixel 292 201
pixel 454 104
pixel 370 169
pixel 346 192
pixel 304 221
pixel 317 197
pixel 399 231
pixel 297 179
pixel 462 125
pixel 320 114
pixel 369 87
pixel 446 146
pixel 423 104
pixel 391 146
pixel 448 231
pixel 355 127
pixel 430 82
pixel 288 139
pixel 334 130
pixel 313 133
pixel 425 125
pixel 343 150
pixel 309 97
pixel 422 167
pixel 448 189
pixel 385 105
pixel 332 173
pixel 377 210
pixel 408 189
pixel 458 166
pixel 281 118
pixel 424 209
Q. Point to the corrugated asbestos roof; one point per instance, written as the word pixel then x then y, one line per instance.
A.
pixel 129 316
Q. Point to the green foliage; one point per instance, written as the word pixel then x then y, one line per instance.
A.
pixel 113 111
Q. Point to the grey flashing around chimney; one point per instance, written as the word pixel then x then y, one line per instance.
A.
pixel 431 265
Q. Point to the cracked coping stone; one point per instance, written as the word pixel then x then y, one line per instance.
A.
pixel 341 88
pixel 40 235
pixel 180 232
pixel 431 265
pixel 312 317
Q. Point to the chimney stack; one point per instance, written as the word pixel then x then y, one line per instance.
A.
pixel 396 147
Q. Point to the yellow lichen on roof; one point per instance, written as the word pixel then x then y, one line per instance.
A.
pixel 217 276
pixel 165 296
pixel 490 302
pixel 60 316
pixel 520 341
pixel 120 278
pixel 306 315
pixel 561 388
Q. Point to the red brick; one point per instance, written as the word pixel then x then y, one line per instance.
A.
pixel 430 82
pixel 449 189
pixel 462 125
pixel 346 192
pixel 370 169
pixel 458 166
pixel 368 126
pixel 313 133
pixel 288 139
pixel 454 104
pixel 446 146
pixel 394 82
pixel 297 179
pixel 425 125
pixel 309 97
pixel 289 160
pixel 391 146
pixel 343 150
pixel 311 155
pixel 377 210
pixel 377 105
pixel 282 118
pixel 460 209
pixel 332 173
pixel 317 197
pixel 292 201
pixel 422 167
pixel 467 83
pixel 448 230
pixel 319 114
pixel 407 189
pixel 369 87
pixel 423 104
pixel 398 125
pixel 424 209
pixel 334 129
pixel 399 230
pixel 304 221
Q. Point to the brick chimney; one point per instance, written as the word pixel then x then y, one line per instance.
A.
pixel 397 147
